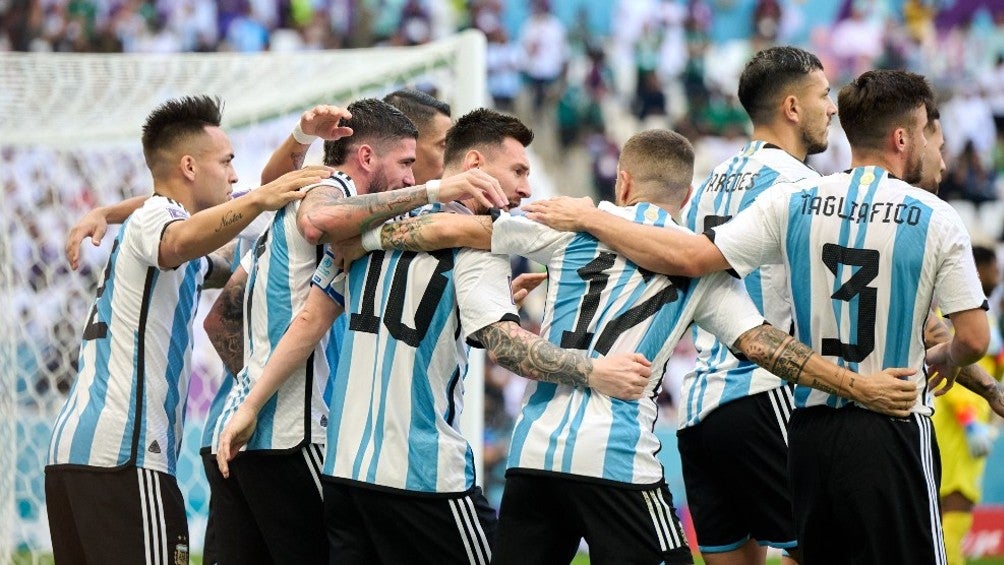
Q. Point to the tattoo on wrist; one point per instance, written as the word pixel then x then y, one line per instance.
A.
pixel 775 351
pixel 530 356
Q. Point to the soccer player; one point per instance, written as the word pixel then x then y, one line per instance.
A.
pixel 399 477
pixel 115 443
pixel 733 416
pixel 864 252
pixel 578 456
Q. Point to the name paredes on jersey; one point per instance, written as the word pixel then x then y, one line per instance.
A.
pixel 860 212
pixel 731 182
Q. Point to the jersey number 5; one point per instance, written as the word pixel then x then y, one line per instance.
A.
pixel 867 261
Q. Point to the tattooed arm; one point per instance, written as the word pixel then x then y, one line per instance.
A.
pixel 972 377
pixel 791 360
pixel 224 323
pixel 293 350
pixel 623 376
pixel 324 217
pixel 321 121
pixel 207 230
pixel 219 263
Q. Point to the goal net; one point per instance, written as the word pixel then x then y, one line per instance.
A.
pixel 70 127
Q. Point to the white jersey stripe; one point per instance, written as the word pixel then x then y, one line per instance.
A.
pixel 478 530
pixel 660 532
pixel 934 513
pixel 308 457
pixel 462 530
pixel 144 512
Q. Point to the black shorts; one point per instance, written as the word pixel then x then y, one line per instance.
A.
pixel 270 510
pixel 119 515
pixel 368 525
pixel 210 555
pixel 865 487
pixel 735 468
pixel 543 518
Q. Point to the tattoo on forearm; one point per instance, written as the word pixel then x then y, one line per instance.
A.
pixel 936 331
pixel 229 219
pixel 297 157
pixel 775 351
pixel 526 354
pixel 229 342
pixel 406 235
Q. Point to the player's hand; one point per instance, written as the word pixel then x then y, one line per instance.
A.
pixel 286 188
pixel 323 121
pixel 995 398
pixel 476 184
pixel 941 368
pixel 887 392
pixel 347 251
pixel 624 375
pixel 524 284
pixel 93 224
pixel 979 438
pixel 235 436
pixel 562 213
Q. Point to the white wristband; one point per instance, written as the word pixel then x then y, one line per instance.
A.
pixel 371 239
pixel 432 190
pixel 300 137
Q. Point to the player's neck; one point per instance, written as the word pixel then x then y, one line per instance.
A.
pixel 787 138
pixel 177 192
pixel 862 158
pixel 671 208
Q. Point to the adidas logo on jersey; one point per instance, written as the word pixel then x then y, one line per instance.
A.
pixel 154 447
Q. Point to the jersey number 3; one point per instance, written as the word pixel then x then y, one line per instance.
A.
pixel 867 261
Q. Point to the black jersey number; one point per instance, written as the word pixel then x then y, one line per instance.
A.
pixel 715 221
pixel 368 321
pixel 867 261
pixel 594 273
pixel 96 329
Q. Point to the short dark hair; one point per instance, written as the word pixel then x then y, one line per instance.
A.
pixel 932 114
pixel 175 121
pixel 768 74
pixel 879 100
pixel 419 106
pixel 373 122
pixel 984 255
pixel 481 128
pixel 661 156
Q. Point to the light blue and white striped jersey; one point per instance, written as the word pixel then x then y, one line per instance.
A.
pixel 127 406
pixel 598 302
pixel 245 242
pixel 282 263
pixel 719 377
pixel 869 251
pixel 399 388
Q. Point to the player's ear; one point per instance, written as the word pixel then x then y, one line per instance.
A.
pixel 790 108
pixel 365 156
pixel 188 167
pixel 473 159
pixel 624 185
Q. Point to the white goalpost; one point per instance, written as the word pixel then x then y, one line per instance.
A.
pixel 70 127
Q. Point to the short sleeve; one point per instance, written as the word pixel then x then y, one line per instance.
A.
pixel 753 237
pixel 484 296
pixel 957 283
pixel 725 309
pixel 145 228
pixel 330 278
pixel 518 235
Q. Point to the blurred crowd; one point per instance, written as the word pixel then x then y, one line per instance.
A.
pixel 586 74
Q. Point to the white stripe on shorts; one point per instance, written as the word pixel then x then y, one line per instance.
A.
pixel 470 532
pixel 934 514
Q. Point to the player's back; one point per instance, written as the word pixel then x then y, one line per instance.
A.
pixel 398 388
pixel 127 403
pixel 718 376
pixel 599 303
pixel 866 250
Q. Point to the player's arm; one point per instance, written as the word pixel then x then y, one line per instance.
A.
pixel 220 262
pixel 323 219
pixel 672 252
pixel 205 231
pixel 319 122
pixel 624 376
pixel 94 224
pixel 224 324
pixel 786 357
pixel 292 351
pixel 973 377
